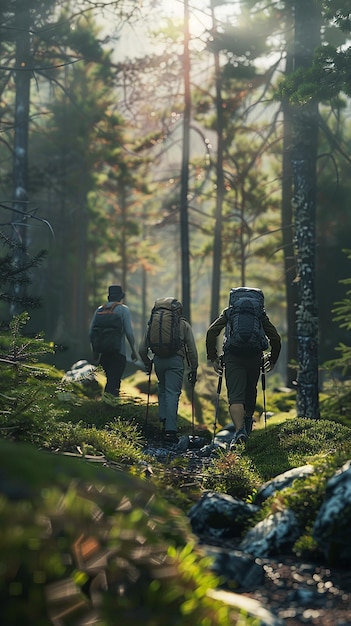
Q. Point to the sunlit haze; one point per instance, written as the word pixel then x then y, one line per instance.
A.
pixel 134 40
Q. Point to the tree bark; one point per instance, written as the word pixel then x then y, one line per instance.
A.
pixel 304 155
pixel 184 179
pixel 20 153
pixel 287 221
pixel 217 242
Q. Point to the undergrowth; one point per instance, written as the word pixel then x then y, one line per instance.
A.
pixel 64 418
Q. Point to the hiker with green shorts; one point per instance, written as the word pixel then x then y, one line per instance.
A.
pixel 247 328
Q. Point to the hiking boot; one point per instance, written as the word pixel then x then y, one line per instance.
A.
pixel 171 437
pixel 239 437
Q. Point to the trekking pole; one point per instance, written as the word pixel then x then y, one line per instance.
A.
pixel 263 379
pixel 193 410
pixel 219 387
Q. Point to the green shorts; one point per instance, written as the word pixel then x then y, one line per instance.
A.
pixel 241 376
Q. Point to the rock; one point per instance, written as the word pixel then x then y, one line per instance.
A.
pixel 240 570
pixel 331 529
pixel 282 481
pixel 274 535
pixel 81 371
pixel 183 443
pixel 305 596
pixel 220 515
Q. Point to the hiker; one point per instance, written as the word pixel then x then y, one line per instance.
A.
pixel 168 341
pixel 110 324
pixel 247 329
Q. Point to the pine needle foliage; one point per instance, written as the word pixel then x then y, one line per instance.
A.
pixel 12 274
pixel 342 311
pixel 337 404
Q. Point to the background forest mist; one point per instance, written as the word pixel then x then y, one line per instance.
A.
pixel 105 150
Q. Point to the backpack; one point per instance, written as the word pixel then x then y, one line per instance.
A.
pixel 107 330
pixel 163 333
pixel 244 333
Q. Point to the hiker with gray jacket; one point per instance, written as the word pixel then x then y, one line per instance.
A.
pixel 169 343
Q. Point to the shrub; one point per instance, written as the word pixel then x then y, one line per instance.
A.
pixel 233 474
pixel 97 546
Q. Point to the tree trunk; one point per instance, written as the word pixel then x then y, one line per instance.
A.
pixel 20 159
pixel 287 224
pixel 184 181
pixel 217 242
pixel 304 154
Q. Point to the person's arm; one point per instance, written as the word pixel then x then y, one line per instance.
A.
pixel 274 339
pixel 129 331
pixel 190 351
pixel 190 346
pixel 144 355
pixel 143 351
pixel 211 336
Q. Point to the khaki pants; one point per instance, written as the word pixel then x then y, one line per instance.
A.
pixel 169 371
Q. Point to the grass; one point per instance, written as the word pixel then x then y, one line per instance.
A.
pixel 108 437
pixel 69 418
pixel 118 428
pixel 65 418
pixel 53 504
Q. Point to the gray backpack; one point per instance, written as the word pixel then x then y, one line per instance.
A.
pixel 244 334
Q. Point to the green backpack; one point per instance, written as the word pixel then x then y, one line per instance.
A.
pixel 163 335
pixel 107 330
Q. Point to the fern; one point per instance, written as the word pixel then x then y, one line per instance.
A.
pixel 342 312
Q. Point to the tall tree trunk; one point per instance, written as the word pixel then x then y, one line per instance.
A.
pixel 124 255
pixel 184 181
pixel 217 242
pixel 304 154
pixel 20 159
pixel 287 221
pixel 82 263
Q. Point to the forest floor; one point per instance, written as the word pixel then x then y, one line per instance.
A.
pixel 305 593
pixel 297 592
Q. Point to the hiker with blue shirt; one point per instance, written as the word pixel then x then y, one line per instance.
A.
pixel 110 325
pixel 247 328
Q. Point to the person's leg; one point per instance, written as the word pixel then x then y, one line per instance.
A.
pixel 236 384
pixel 160 371
pixel 253 366
pixel 113 364
pixel 106 363
pixel 173 387
pixel 237 414
pixel 119 367
pixel 235 375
